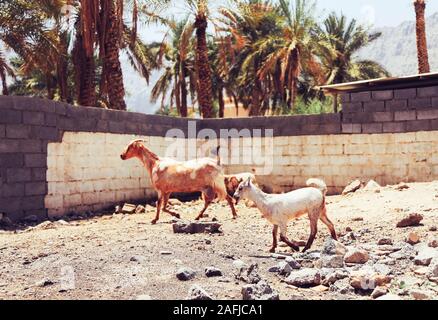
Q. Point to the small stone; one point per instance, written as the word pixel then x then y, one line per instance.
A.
pixel 144 297
pixel 372 186
pixel 334 276
pixel 352 187
pixel 62 223
pixel 213 272
pixel 385 242
pixel 274 269
pixel 421 271
pixel 413 220
pixel 293 263
pixel 304 278
pixel 197 293
pixel 185 274
pixel 342 287
pixel 348 229
pixel 425 256
pixel 261 291
pixel 331 261
pixel 44 283
pixel 433 229
pixel 379 292
pixel 138 259
pixel 140 209
pixel 166 253
pixel 333 247
pixel 413 239
pixel 433 243
pixel 367 282
pixel 419 295
pixel 248 274
pixel 402 186
pixel 128 208
pixel 284 269
pixel 181 227
pixel 356 256
pixel 239 264
pixel 433 268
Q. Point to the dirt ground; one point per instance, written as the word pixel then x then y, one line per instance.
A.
pixel 116 256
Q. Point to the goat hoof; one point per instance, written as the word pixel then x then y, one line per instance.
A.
pixel 154 221
pixel 177 216
pixel 272 250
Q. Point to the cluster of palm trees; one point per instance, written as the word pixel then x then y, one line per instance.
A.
pixel 259 54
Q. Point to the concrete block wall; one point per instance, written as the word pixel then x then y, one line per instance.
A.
pixel 56 158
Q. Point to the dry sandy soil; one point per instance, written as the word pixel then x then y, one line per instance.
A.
pixel 121 256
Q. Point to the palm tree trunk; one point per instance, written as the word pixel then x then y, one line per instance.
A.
pixel 4 85
pixel 85 70
pixel 423 56
pixel 184 92
pixel 204 86
pixel 113 69
pixel 221 102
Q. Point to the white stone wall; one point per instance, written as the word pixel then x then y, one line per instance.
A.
pixel 85 172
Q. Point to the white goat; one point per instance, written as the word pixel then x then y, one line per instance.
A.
pixel 279 209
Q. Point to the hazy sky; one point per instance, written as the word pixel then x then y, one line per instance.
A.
pixel 379 13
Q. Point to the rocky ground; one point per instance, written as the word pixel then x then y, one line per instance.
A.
pixel 123 256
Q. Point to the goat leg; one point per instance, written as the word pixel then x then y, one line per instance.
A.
pixel 275 237
pixel 165 207
pixel 231 204
pixel 286 240
pixel 159 203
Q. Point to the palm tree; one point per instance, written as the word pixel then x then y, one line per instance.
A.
pixel 251 25
pixel 339 43
pixel 5 70
pixel 179 63
pixel 295 50
pixel 423 56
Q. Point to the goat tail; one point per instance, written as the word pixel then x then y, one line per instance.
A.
pixel 318 184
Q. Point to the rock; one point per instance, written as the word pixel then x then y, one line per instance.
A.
pixel 433 268
pixel 197 293
pixel 332 277
pixel 406 251
pixel 422 271
pixel 259 292
pixel 372 186
pixel 433 229
pixel 379 292
pixel 249 274
pixel 274 269
pixel 213 272
pixel 401 186
pixel 293 263
pixel 140 209
pixel 352 187
pixel 333 247
pixel 433 243
pixel 342 287
pixel 304 278
pixel 348 229
pixel 185 274
pixel 425 256
pixel 118 209
pixel 44 283
pixel 385 242
pixel 413 239
pixel 284 269
pixel 368 282
pixel 128 208
pixel 358 219
pixel 138 259
pixel 321 288
pixel 331 261
pixel 239 264
pixel 390 297
pixel 356 256
pixel 166 253
pixel 196 227
pixel 413 220
pixel 62 223
pixel 144 297
pixel 419 295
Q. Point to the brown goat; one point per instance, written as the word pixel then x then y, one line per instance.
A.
pixel 169 176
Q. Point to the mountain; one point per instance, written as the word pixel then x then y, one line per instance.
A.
pixel 396 49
